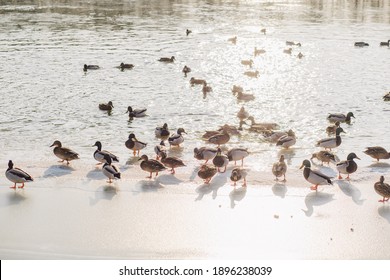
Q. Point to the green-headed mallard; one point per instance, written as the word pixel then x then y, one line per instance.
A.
pixel 171 162
pixel 330 143
pixel 324 156
pixel 151 165
pixel 385 44
pixel 177 138
pixel 331 129
pixel 158 149
pixel 279 169
pixel 242 114
pixel 206 88
pixel 377 153
pixel 238 174
pixel 99 155
pixel 186 70
pixel 340 117
pixel 263 30
pixel 286 141
pixel 63 153
pixel 220 160
pixel 205 153
pixel 206 172
pixel 90 67
pixel 361 44
pixel 347 166
pixel 17 176
pixel 162 131
pixel 136 113
pixel 109 170
pixel 255 126
pixel 133 144
pixel 382 189
pixel 236 154
pixel 106 107
pixel 313 176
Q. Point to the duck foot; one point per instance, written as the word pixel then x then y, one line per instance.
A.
pixel 314 188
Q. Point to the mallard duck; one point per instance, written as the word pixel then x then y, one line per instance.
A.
pixel 238 174
pixel 136 113
pixel 205 153
pixel 324 156
pixel 186 70
pixel 171 162
pixel 258 51
pixel 247 62
pixel 64 153
pixel 242 114
pixel 90 67
pixel 17 176
pixel 386 97
pixel 233 40
pixel 236 154
pixel 245 96
pixel 313 176
pixel 110 171
pixel 219 139
pixel 220 160
pixel 288 51
pixel 167 59
pixel 194 81
pixel 263 30
pixel 332 128
pixel 382 189
pixel 385 44
pixel 162 131
pixel 151 165
pixel 99 155
pixel 279 169
pixel 206 172
pixel 158 149
pixel 124 66
pixel 188 32
pixel 236 89
pixel 106 107
pixel 273 136
pixel 286 141
pixel 347 166
pixel 377 153
pixel 330 143
pixel 206 88
pixel 232 129
pixel 361 44
pixel 177 138
pixel 341 117
pixel 300 55
pixel 133 144
pixel 262 125
pixel 290 43
pixel 252 74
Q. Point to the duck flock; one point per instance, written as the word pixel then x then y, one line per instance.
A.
pixel 216 158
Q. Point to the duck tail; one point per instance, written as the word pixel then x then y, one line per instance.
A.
pixel 117 175
pixel 329 181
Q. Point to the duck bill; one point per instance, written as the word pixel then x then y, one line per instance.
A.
pixel 302 166
pixel 358 158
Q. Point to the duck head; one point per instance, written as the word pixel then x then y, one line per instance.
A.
pixel 339 130
pixel 352 156
pixel 144 158
pixel 305 163
pixel 129 110
pixel 98 145
pixel 181 130
pixel 56 144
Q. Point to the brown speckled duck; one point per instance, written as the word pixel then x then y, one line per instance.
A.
pixel 331 129
pixel 219 139
pixel 106 107
pixel 171 162
pixel 167 59
pixel 238 174
pixel 220 160
pixel 377 153
pixel 206 172
pixel 382 189
pixel 65 154
pixel 279 169
pixel 324 156
pixel 151 165
pixel 205 153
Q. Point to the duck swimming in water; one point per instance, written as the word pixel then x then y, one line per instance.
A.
pixel 324 156
pixel 341 117
pixel 135 113
pixel 17 175
pixel 361 44
pixel 90 67
pixel 167 59
pixel 385 44
pixel 106 107
pixel 162 131
pixel 124 66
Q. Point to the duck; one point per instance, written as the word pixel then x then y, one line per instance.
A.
pixel 205 153
pixel 177 138
pixel 341 117
pixel 361 44
pixel 386 97
pixel 124 66
pixel 314 177
pixel 237 89
pixel 300 55
pixel 247 62
pixel 290 43
pixel 188 32
pixel 263 30
pixel 233 40
pixel 99 155
pixel 136 113
pixel 332 128
pixel 219 139
pixel 377 153
pixel 167 59
pixel 330 143
pixel 236 154
pixel 383 189
pixel 133 144
pixel 151 165
pixel 232 129
pixel 171 162
pixel 252 74
pixel 206 88
pixel 17 175
pixel 242 114
pixel 162 131
pixel 194 81
pixel 207 172
pixel 264 125
pixel 220 161
pixel 90 67
pixel 158 149
pixel 273 136
pixel 383 44
pixel 279 169
pixel 347 166
pixel 238 174
pixel 63 153
pixel 257 51
pixel 245 96
pixel 324 156
pixel 109 170
pixel 288 51
pixel 286 141
pixel 186 70
pixel 106 107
